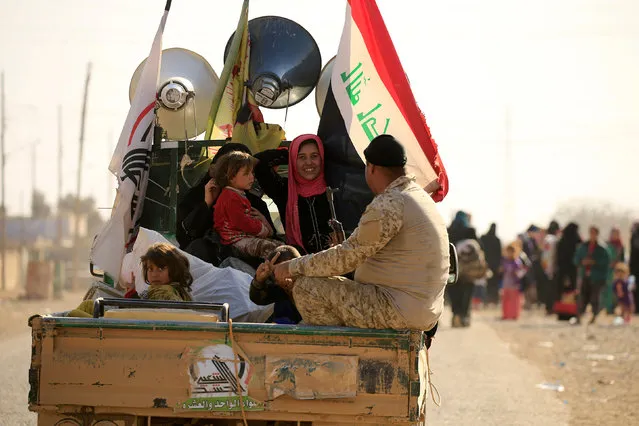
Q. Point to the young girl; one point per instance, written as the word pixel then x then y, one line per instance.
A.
pixel 165 270
pixel 621 289
pixel 513 271
pixel 237 223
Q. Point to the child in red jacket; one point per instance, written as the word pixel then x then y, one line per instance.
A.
pixel 237 223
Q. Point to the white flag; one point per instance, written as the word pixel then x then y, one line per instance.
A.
pixel 130 163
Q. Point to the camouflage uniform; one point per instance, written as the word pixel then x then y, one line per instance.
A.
pixel 338 301
pixel 399 253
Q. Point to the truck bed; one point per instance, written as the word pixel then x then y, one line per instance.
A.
pixel 133 371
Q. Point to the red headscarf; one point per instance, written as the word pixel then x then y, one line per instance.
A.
pixel 616 242
pixel 299 186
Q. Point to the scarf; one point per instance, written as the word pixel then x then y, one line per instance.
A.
pixel 297 186
pixel 615 242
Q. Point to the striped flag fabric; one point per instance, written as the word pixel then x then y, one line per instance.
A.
pixel 130 163
pixel 369 95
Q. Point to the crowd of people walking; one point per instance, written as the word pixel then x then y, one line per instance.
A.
pixel 552 268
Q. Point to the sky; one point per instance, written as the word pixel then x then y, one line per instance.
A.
pixel 554 83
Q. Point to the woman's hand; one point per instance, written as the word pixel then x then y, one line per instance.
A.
pixel 211 192
pixel 131 284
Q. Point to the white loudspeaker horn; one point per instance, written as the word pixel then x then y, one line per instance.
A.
pixel 185 91
pixel 323 84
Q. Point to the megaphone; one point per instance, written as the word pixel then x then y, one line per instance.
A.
pixel 185 92
pixel 323 84
pixel 285 61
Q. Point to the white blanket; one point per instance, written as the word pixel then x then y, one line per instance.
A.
pixel 210 284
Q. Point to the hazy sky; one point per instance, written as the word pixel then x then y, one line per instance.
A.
pixel 567 70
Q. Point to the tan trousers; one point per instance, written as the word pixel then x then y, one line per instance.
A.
pixel 338 301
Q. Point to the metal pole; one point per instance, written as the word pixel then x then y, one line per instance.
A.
pixel 33 177
pixel 57 282
pixel 3 213
pixel 508 167
pixel 76 233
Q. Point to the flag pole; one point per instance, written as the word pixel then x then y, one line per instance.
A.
pixel 76 231
pixel 57 279
pixel 226 71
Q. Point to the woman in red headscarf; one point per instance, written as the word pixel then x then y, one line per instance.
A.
pixel 301 198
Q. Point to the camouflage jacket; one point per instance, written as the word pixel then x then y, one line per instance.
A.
pixel 400 245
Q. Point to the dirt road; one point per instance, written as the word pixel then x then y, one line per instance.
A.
pixel 597 365
pixel 482 382
pixel 15 350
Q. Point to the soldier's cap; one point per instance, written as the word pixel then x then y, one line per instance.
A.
pixel 385 151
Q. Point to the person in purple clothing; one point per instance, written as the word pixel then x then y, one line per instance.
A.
pixel 621 289
pixel 513 270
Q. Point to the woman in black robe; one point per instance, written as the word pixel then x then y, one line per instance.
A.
pixel 194 228
pixel 491 245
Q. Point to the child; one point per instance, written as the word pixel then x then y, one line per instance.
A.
pixel 513 271
pixel 479 293
pixel 165 270
pixel 239 225
pixel 264 291
pixel 621 288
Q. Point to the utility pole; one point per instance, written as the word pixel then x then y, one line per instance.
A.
pixel 3 124
pixel 33 175
pixel 57 281
pixel 509 196
pixel 76 231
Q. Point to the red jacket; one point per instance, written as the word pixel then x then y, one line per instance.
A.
pixel 232 219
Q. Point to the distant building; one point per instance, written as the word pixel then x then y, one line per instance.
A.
pixel 36 240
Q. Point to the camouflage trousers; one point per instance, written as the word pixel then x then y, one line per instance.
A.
pixel 338 301
pixel 256 247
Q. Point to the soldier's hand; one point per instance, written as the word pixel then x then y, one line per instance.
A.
pixel 282 274
pixel 287 286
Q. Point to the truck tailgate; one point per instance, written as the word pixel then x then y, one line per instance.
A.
pixel 193 369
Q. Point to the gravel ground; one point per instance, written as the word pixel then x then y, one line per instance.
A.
pixel 482 382
pixel 15 350
pixel 597 365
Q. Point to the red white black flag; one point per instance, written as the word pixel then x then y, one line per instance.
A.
pixel 130 163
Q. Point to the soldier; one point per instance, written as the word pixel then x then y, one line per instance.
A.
pixel 399 253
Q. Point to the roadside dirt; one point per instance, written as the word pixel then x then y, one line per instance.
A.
pixel 597 365
pixel 14 312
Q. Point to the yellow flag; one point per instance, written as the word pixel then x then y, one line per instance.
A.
pixel 229 93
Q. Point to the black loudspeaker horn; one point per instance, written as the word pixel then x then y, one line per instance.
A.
pixel 323 84
pixel 185 92
pixel 285 61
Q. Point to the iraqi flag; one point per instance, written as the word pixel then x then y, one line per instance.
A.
pixel 369 95
pixel 130 163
